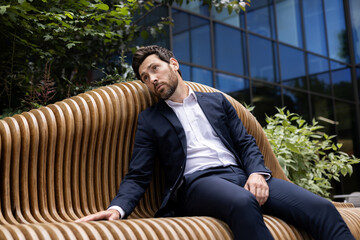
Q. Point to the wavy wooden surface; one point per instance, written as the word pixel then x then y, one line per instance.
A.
pixel 66 160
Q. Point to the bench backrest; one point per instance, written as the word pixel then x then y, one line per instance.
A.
pixel 66 160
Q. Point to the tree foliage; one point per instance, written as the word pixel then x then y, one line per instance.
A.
pixel 309 158
pixel 74 37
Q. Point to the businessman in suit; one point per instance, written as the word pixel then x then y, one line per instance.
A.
pixel 213 166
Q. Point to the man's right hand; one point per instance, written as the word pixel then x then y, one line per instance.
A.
pixel 110 214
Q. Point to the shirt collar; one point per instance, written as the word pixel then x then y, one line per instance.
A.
pixel 190 97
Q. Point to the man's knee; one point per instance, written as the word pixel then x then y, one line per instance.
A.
pixel 244 204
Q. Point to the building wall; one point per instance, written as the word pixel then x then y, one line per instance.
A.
pixel 302 54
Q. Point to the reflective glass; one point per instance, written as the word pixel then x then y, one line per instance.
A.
pixel 314 26
pixel 194 6
pixel 229 49
pixel 289 22
pixel 358 79
pixel 320 83
pixel 191 39
pixel 202 76
pixel 318 68
pixel 322 111
pixel 265 99
pixel 181 35
pixel 335 65
pixel 342 84
pixel 185 72
pixel 297 102
pixel 161 39
pixel 336 30
pixel 317 64
pixel 260 18
pixel 292 64
pixel 345 117
pixel 262 62
pixel 234 18
pixel 355 22
pixel 236 87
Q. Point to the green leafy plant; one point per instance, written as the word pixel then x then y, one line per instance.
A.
pixel 309 157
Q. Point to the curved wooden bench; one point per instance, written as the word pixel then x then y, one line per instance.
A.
pixel 66 160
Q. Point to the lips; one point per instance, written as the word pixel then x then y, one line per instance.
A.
pixel 158 87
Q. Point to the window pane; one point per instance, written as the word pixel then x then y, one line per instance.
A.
pixel 200 45
pixel 320 83
pixel 229 49
pixel 236 87
pixel 289 22
pixel 194 6
pixel 181 35
pixel 358 78
pixel 345 116
pixel 292 64
pixel 191 39
pixel 342 84
pixel 297 102
pixel 261 59
pixel 185 72
pixel 314 26
pixel 355 22
pixel 259 17
pixel 202 76
pixel 336 30
pixel 319 74
pixel 265 99
pixel 323 112
pixel 234 18
pixel 335 65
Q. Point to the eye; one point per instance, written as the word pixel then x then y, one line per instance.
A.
pixel 145 78
pixel 155 67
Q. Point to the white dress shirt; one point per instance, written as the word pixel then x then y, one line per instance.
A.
pixel 204 148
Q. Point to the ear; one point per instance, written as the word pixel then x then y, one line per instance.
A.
pixel 174 63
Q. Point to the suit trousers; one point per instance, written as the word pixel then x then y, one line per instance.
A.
pixel 219 193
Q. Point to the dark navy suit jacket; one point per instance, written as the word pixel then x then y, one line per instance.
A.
pixel 160 136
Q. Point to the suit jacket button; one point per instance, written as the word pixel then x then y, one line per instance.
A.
pixel 170 189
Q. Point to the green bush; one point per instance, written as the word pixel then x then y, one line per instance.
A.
pixel 308 157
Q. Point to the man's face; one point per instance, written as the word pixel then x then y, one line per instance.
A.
pixel 159 76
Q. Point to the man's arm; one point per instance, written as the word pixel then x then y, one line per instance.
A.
pixel 250 156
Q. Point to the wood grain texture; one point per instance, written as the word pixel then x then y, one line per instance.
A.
pixel 66 160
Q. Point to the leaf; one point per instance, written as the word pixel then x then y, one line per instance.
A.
pixel 292 147
pixel 69 15
pixel 102 6
pixel 3 9
pixel 70 45
pixel 47 37
pixel 21 1
pixel 144 35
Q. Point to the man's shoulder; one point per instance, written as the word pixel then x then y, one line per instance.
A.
pixel 210 94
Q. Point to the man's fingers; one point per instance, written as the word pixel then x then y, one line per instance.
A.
pixel 103 215
pixel 257 185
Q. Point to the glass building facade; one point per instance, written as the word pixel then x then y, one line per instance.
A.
pixel 302 54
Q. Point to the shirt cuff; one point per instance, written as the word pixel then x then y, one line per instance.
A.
pixel 119 209
pixel 267 176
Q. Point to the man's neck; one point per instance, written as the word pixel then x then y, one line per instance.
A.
pixel 181 92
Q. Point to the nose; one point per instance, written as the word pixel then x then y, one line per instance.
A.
pixel 153 78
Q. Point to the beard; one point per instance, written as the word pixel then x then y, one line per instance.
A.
pixel 168 88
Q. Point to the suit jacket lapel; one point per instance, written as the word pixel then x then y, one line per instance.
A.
pixel 168 113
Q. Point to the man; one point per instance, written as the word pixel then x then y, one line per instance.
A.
pixel 213 167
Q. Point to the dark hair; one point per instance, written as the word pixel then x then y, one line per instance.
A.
pixel 142 53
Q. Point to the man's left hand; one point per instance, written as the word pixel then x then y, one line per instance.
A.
pixel 258 186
